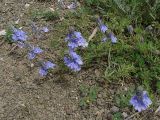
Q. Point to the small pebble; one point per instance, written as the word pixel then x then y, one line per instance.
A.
pixel 1 59
pixel 100 102
pixel 2 32
pixel 124 115
pixel 99 95
pixel 27 5
pixel 32 65
pixel 114 109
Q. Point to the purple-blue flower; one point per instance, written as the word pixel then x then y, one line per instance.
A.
pixel 69 62
pixel 75 39
pixel 81 40
pixel 73 5
pixel 140 101
pixel 113 38
pixel 74 62
pixel 102 26
pixel 33 52
pixel 48 65
pixel 76 57
pixel 45 29
pixel 18 35
pixel 104 39
pixel 45 67
pixel 43 72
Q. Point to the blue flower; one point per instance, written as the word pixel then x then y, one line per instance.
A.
pixel 113 38
pixel 48 65
pixel 73 5
pixel 74 62
pixel 81 41
pixel 18 35
pixel 102 26
pixel 45 29
pixel 104 39
pixel 140 101
pixel 76 57
pixel 45 67
pixel 73 44
pixel 42 72
pixel 75 39
pixel 33 52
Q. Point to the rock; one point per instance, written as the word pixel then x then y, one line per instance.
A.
pixel 125 115
pixel 1 59
pixel 114 109
pixel 27 5
pixel 100 102
pixel 2 32
pixel 99 95
pixel 32 65
pixel 126 89
pixel 52 9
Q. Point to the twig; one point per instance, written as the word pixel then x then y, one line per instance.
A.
pixel 93 34
pixel 109 58
pixel 158 109
pixel 132 116
pixel 13 48
pixel 1 43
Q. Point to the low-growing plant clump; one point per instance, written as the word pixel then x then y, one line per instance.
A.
pixel 118 38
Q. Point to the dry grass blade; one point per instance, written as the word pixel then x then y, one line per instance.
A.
pixel 1 43
pixel 129 118
pixel 158 109
pixel 12 49
pixel 93 34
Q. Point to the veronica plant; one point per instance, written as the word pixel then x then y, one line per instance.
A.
pixel 33 52
pixel 19 37
pixel 38 31
pixel 103 28
pixel 106 35
pixel 74 61
pixel 75 40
